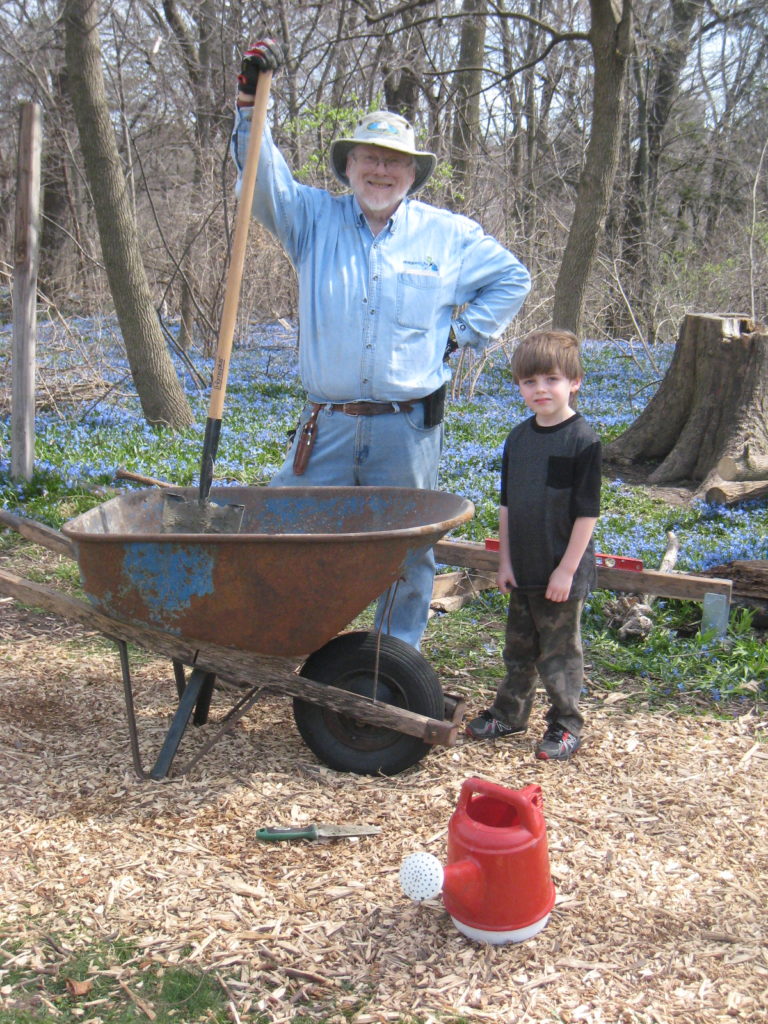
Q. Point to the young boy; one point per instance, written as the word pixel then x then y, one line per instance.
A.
pixel 550 501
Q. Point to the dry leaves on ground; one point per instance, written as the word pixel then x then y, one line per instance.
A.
pixel 657 838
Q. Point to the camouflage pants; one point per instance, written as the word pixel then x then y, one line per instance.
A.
pixel 542 644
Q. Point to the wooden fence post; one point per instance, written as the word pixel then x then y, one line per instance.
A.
pixel 26 250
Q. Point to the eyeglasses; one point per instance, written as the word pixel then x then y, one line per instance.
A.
pixel 370 161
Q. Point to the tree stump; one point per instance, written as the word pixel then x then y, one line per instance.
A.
pixel 710 410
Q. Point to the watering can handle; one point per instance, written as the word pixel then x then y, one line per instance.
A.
pixel 527 802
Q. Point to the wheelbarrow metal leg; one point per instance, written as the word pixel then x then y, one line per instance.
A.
pixel 203 704
pixel 130 710
pixel 230 720
pixel 180 675
pixel 188 695
pixel 197 680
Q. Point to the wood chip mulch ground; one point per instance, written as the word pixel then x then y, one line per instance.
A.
pixel 658 841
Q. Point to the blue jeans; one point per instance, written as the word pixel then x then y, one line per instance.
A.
pixel 390 450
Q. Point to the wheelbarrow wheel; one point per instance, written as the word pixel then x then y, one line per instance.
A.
pixel 405 680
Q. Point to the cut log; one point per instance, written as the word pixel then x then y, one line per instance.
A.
pixel 680 586
pixel 749 578
pixel 750 466
pixel 712 404
pixel 725 492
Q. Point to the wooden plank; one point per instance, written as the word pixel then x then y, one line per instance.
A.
pixel 467 583
pixel 452 590
pixel 648 581
pixel 240 667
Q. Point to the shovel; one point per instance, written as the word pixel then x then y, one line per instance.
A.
pixel 202 515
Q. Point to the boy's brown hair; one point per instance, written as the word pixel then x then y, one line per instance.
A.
pixel 545 351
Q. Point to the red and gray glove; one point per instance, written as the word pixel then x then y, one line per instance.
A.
pixel 266 55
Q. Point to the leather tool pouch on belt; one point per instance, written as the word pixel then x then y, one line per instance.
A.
pixel 434 406
pixel 306 441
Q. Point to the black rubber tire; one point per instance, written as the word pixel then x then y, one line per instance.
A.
pixel 406 680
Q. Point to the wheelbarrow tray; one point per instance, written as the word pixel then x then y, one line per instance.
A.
pixel 306 562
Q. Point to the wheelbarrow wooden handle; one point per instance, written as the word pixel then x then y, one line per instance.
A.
pixel 39 533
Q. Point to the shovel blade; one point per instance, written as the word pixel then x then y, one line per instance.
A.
pixel 181 515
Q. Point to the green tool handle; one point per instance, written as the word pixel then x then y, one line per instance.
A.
pixel 274 834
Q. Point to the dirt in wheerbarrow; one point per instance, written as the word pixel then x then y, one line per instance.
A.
pixel 657 835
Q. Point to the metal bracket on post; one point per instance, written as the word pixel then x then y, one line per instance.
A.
pixel 714 614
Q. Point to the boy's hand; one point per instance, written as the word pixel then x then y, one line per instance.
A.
pixel 559 586
pixel 505 579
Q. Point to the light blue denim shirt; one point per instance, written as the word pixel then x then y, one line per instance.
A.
pixel 375 312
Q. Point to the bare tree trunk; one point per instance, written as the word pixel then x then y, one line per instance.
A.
pixel 467 82
pixel 611 37
pixel 671 53
pixel 159 390
pixel 711 406
pixel 401 59
pixel 59 222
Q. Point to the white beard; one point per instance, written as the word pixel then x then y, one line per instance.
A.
pixel 379 203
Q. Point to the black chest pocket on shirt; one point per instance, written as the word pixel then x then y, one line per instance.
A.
pixel 560 471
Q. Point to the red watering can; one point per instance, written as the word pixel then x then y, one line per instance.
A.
pixel 496 884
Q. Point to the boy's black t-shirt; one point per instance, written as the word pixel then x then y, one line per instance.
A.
pixel 550 476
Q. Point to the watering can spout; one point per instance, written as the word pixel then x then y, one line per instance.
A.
pixel 464 884
pixel 422 877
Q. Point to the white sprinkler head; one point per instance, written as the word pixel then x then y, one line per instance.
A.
pixel 421 876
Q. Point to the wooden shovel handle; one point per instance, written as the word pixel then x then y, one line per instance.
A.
pixel 237 256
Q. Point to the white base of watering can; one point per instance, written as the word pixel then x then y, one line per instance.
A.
pixel 499 938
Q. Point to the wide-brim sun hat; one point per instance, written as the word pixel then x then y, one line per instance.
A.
pixel 390 131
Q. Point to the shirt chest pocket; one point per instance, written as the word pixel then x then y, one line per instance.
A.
pixel 417 299
pixel 560 472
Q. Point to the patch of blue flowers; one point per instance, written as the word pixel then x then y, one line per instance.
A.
pixel 79 448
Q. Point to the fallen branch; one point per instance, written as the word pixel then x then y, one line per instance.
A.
pixel 231 1004
pixel 145 1008
pixel 634 611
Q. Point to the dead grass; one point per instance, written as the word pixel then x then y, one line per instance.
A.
pixel 658 834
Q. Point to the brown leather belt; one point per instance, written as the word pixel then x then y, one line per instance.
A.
pixel 373 408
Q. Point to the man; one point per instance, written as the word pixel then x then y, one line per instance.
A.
pixel 381 277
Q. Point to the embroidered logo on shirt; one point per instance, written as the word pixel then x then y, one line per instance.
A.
pixel 425 266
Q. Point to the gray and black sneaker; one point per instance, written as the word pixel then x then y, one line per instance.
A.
pixel 487 727
pixel 557 744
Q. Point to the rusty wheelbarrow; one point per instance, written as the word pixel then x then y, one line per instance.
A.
pixel 252 607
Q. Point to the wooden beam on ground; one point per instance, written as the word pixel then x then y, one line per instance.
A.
pixel 664 584
pixel 452 590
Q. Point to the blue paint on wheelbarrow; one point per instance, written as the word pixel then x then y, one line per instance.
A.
pixel 306 561
pixel 168 578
